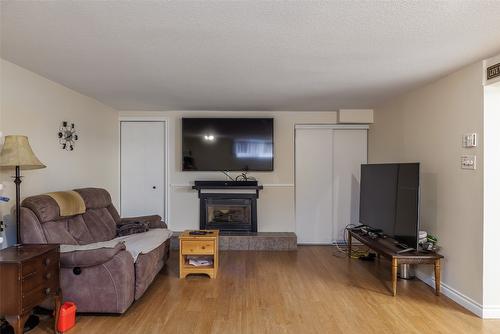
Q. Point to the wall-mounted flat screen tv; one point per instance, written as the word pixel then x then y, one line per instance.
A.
pixel 227 144
pixel 389 200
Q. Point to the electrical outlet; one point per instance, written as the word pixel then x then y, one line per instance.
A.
pixel 468 161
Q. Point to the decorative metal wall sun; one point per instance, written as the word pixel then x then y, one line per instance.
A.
pixel 67 136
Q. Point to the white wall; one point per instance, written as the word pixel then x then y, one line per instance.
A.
pixel 426 125
pixel 491 279
pixel 34 106
pixel 276 202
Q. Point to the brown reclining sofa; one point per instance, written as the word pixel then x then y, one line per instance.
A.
pixel 104 280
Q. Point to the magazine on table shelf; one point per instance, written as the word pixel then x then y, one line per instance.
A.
pixel 200 261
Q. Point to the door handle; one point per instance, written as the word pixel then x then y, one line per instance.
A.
pixel 154 187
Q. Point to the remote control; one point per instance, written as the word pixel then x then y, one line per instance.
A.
pixel 198 232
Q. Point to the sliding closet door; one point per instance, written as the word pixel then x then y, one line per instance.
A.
pixel 313 185
pixel 327 174
pixel 349 152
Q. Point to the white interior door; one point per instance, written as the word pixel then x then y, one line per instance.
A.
pixel 142 155
pixel 327 174
pixel 313 185
pixel 349 152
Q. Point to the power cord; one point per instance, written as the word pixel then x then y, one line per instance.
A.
pixel 356 251
pixel 241 177
pixel 225 172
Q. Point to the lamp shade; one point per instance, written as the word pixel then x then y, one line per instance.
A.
pixel 17 151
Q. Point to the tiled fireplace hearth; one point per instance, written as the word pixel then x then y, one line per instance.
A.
pixel 231 208
pixel 260 241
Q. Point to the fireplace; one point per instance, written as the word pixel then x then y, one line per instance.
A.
pixel 228 212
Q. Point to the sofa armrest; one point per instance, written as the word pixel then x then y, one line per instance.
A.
pixel 89 258
pixel 158 224
pixel 153 220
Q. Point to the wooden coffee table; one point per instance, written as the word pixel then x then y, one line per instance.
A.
pixel 198 246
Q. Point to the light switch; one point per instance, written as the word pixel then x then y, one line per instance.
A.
pixel 469 140
pixel 468 161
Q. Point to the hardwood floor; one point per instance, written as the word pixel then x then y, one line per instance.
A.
pixel 307 291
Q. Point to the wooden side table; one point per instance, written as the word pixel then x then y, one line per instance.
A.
pixel 198 246
pixel 387 248
pixel 29 275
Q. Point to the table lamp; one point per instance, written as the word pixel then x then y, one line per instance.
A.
pixel 17 153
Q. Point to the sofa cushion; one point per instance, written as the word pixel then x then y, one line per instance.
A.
pixel 93 226
pixel 114 213
pixel 100 223
pixel 31 229
pixel 136 244
pixel 70 231
pixel 43 206
pixel 95 198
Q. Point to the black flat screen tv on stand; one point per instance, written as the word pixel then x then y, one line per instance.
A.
pixel 389 201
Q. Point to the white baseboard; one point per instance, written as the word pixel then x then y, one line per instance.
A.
pixel 457 296
pixel 491 312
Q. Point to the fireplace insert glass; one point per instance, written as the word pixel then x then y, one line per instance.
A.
pixel 228 211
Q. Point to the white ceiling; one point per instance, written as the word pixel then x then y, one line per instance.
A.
pixel 155 55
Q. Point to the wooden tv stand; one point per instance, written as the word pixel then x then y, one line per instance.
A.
pixel 386 247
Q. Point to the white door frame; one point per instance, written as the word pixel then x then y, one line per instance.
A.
pixel 316 126
pixel 166 172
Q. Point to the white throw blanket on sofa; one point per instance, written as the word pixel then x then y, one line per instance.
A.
pixel 139 243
